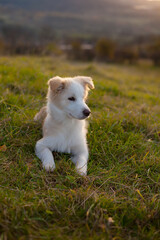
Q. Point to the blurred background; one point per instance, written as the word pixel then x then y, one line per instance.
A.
pixel 85 30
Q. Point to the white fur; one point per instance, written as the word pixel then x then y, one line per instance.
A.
pixel 64 128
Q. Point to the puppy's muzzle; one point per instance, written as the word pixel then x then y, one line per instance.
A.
pixel 86 112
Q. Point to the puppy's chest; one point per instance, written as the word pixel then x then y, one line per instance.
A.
pixel 65 136
pixel 68 138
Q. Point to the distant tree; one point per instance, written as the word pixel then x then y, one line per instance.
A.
pixel 46 34
pixel 154 51
pixel 76 50
pixel 105 49
pixel 128 54
pixel 2 46
pixel 18 39
pixel 52 49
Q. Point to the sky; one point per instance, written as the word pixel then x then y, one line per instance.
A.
pixel 146 4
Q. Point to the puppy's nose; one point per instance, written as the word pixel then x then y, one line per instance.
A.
pixel 86 112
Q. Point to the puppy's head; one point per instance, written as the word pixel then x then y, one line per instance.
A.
pixel 69 95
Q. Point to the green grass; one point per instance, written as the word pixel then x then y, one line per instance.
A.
pixel 124 162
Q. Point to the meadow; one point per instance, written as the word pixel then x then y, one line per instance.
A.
pixel 120 197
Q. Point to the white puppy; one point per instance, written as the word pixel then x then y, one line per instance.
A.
pixel 64 126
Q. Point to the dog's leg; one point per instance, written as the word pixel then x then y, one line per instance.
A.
pixel 44 153
pixel 80 158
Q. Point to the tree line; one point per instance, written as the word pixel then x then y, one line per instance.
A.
pixel 107 50
pixel 19 40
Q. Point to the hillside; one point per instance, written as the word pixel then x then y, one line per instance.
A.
pixel 119 199
pixel 91 17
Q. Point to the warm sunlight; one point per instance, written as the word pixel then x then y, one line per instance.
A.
pixel 147 4
pixel 154 1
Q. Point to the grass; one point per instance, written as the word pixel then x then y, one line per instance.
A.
pixel 120 197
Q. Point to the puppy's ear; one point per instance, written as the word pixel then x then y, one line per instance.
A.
pixel 56 84
pixel 86 81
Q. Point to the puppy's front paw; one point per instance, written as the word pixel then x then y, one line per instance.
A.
pixel 49 166
pixel 82 170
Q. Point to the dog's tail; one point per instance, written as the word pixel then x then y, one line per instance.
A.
pixel 41 115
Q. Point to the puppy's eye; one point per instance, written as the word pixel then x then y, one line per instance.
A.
pixel 72 99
